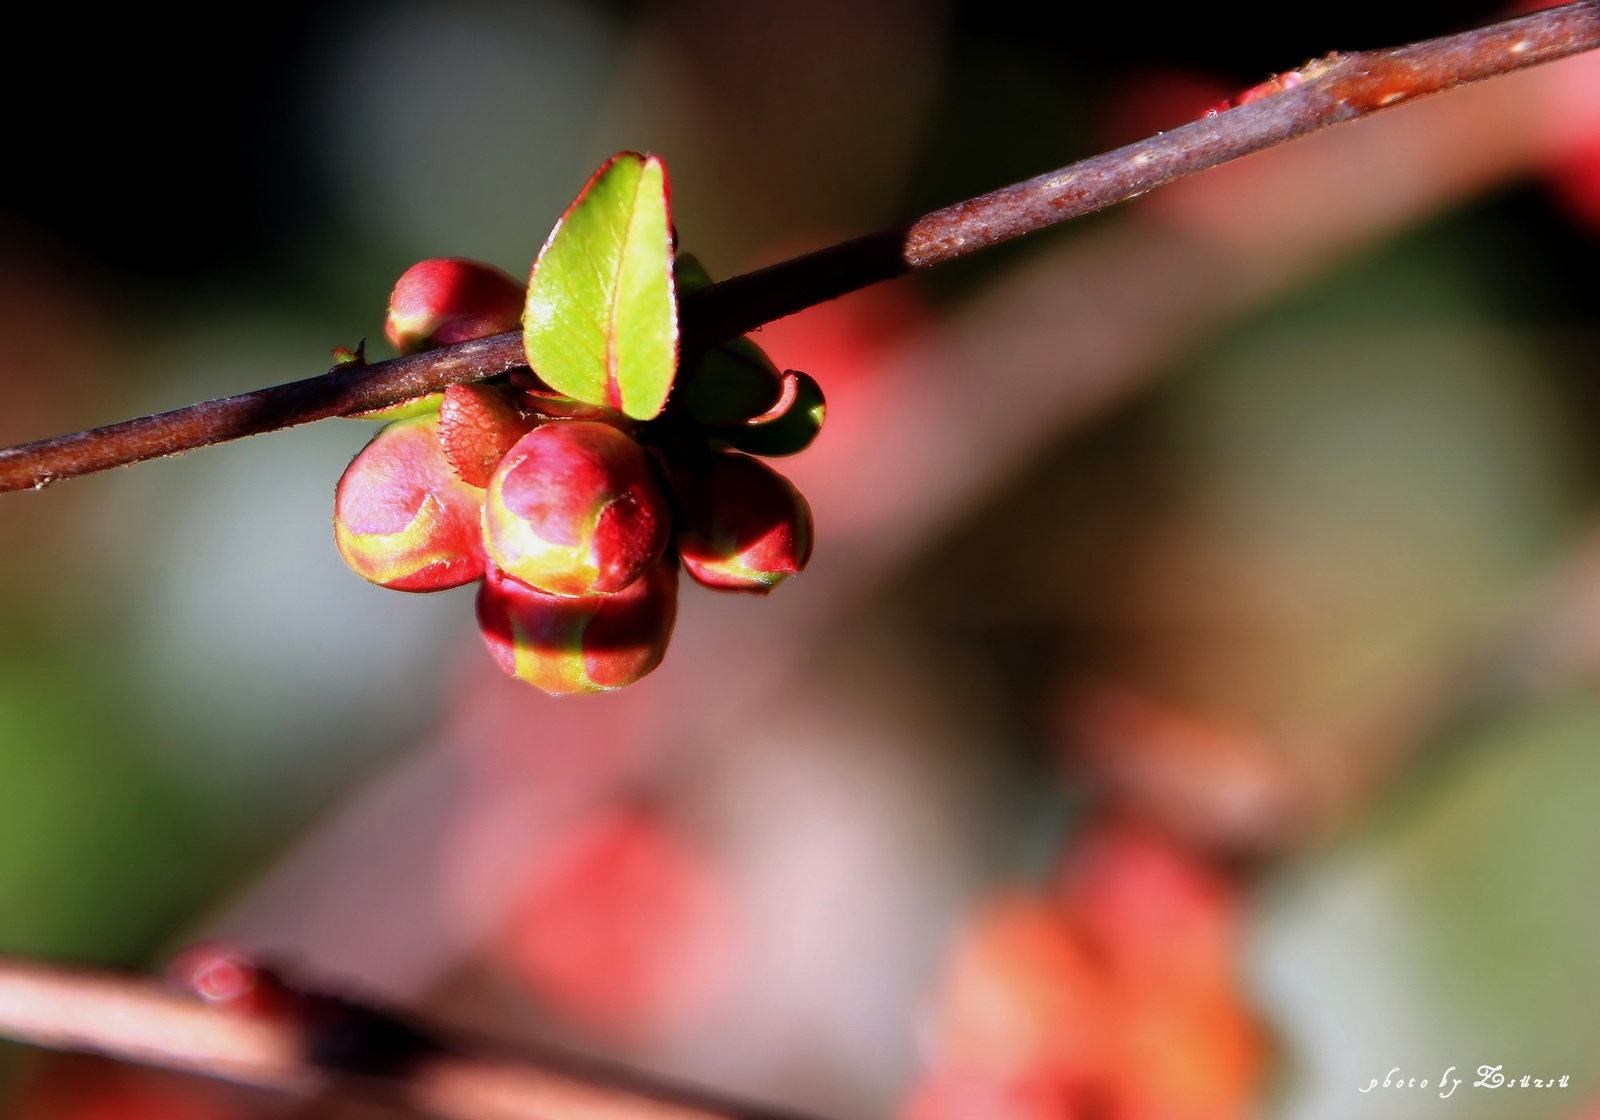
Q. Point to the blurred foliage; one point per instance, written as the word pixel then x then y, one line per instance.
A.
pixel 1402 438
pixel 1456 928
pixel 99 856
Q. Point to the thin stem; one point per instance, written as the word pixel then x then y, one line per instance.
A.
pixel 329 1044
pixel 1327 91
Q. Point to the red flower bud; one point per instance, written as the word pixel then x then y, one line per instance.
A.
pixel 223 974
pixel 574 510
pixel 477 426
pixel 590 644
pixel 403 518
pixel 444 301
pixel 746 526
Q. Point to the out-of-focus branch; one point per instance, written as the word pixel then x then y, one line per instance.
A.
pixel 139 1021
pixel 327 1044
pixel 1324 92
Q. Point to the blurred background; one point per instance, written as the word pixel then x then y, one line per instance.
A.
pixel 1192 708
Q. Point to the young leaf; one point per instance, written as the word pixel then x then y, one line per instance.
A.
pixel 601 323
pixel 416 406
pixel 689 274
pixel 734 382
pixel 788 427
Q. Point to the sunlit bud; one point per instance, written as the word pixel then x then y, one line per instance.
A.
pixel 477 426
pixel 222 974
pixel 574 510
pixel 403 518
pixel 565 645
pixel 745 528
pixel 446 300
pixel 215 971
pixel 1278 83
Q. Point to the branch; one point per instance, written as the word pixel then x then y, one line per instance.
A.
pixel 1324 92
pixel 328 1043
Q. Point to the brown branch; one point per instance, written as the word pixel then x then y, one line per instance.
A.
pixel 330 1044
pixel 1328 91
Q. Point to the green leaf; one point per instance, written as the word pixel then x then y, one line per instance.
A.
pixel 601 323
pixel 415 406
pixel 734 382
pixel 690 274
pixel 788 428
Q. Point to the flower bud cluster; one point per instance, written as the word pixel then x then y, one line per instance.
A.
pixel 573 516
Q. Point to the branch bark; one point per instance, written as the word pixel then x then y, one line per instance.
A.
pixel 335 1045
pixel 1327 91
